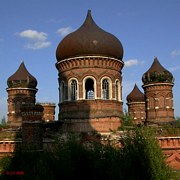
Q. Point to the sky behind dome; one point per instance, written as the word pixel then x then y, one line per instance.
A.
pixel 30 31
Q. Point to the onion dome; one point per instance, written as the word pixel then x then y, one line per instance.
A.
pixel 22 79
pixel 136 95
pixel 89 39
pixel 157 74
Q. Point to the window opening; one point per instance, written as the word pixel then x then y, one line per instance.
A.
pixel 62 90
pixel 73 90
pixel 89 87
pixel 105 89
pixel 117 90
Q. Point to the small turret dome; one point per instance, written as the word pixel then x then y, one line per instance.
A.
pixel 157 74
pixel 135 95
pixel 22 78
pixel 89 39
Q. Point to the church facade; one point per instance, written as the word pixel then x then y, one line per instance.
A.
pixel 89 64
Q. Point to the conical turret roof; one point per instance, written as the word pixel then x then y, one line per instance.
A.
pixel 89 39
pixel 135 95
pixel 157 73
pixel 22 78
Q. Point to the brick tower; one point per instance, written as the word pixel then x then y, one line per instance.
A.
pixel 21 91
pixel 157 84
pixel 136 105
pixel 89 62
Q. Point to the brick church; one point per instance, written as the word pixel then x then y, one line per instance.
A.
pixel 89 64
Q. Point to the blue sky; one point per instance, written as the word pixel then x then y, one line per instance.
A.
pixel 31 30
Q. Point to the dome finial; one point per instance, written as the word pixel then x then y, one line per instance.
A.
pixel 88 17
pixel 155 58
pixel 89 11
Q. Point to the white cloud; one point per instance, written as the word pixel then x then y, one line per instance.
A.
pixel 131 62
pixel 175 53
pixel 34 35
pixel 37 45
pixel 64 31
pixel 36 40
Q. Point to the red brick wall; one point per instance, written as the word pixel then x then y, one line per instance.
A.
pixel 159 102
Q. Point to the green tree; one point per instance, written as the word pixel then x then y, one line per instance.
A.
pixel 177 118
pixel 144 158
pixel 3 122
pixel 126 121
pixel 140 158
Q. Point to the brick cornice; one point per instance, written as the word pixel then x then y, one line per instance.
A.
pixel 158 84
pixel 90 61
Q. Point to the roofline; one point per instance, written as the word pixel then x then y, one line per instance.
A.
pixel 34 89
pixel 155 84
pixel 82 57
pixel 142 102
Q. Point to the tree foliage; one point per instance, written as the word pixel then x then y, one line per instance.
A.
pixel 3 122
pixel 143 156
pixel 126 121
pixel 140 158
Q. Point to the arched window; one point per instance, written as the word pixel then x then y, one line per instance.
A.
pixel 117 93
pixel 161 102
pixel 89 88
pixel 169 100
pixel 62 92
pixel 73 89
pixel 105 89
pixel 151 102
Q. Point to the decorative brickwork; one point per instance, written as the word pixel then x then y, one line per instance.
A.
pixel 137 112
pixel 171 148
pixel 159 102
pixel 18 97
pixel 48 111
pixel 32 128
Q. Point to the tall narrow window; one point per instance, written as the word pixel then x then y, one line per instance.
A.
pixel 89 86
pixel 62 92
pixel 117 90
pixel 73 90
pixel 105 89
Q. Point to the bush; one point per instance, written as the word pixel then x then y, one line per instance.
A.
pixel 140 158
pixel 143 156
